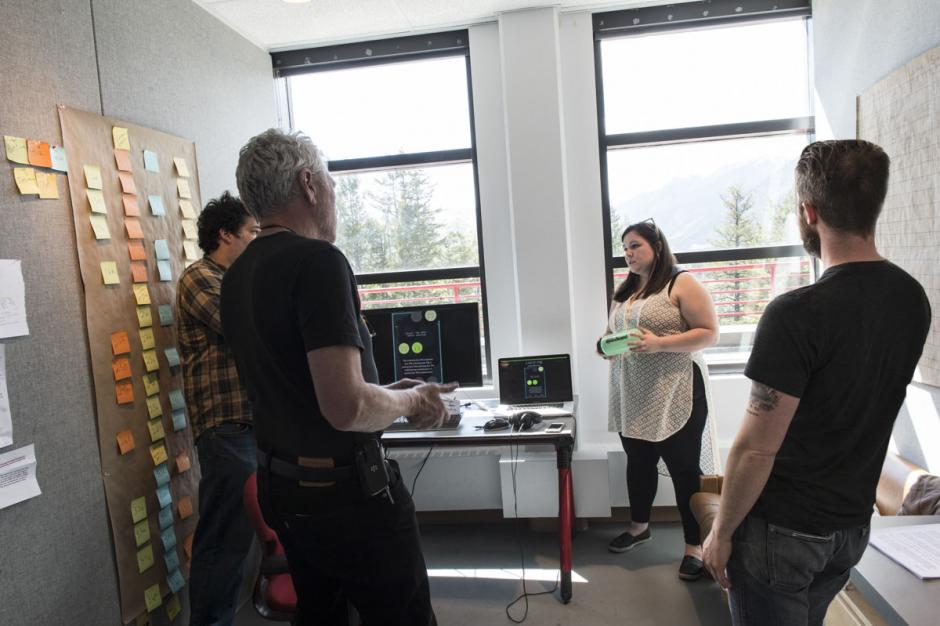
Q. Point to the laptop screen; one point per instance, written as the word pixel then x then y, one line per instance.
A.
pixel 535 379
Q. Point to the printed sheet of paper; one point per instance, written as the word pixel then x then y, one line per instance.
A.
pixel 18 476
pixel 6 417
pixel 12 299
pixel 917 548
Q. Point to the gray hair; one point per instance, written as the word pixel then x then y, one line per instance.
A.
pixel 268 166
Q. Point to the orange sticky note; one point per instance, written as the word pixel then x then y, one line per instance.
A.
pixel 185 507
pixel 182 463
pixel 133 229
pixel 139 272
pixel 47 184
pixel 131 209
pixel 125 441
pixel 127 182
pixel 124 392
pixel 123 160
pixel 136 250
pixel 120 343
pixel 121 368
pixel 38 152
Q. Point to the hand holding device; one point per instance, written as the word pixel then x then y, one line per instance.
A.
pixel 429 410
pixel 619 343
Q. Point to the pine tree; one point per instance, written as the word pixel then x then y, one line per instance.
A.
pixel 739 229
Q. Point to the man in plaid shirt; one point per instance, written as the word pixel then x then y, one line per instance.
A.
pixel 220 413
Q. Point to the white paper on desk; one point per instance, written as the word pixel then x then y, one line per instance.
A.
pixel 12 299
pixel 18 476
pixel 6 419
pixel 917 548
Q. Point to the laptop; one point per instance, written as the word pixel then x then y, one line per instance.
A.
pixel 536 383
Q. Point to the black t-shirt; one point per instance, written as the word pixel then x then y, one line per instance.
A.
pixel 847 347
pixel 284 296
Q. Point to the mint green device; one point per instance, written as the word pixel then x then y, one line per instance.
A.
pixel 618 343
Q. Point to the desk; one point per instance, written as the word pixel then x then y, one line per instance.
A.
pixel 468 435
pixel 900 596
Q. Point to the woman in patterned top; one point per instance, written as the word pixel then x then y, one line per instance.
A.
pixel 658 390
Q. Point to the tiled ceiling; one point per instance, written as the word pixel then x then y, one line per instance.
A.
pixel 278 25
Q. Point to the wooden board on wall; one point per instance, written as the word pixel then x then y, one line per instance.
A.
pixel 113 308
pixel 901 114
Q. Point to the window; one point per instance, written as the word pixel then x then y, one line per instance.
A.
pixel 395 120
pixel 703 111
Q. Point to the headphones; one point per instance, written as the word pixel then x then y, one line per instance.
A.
pixel 518 422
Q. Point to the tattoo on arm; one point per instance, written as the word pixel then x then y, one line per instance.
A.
pixel 763 399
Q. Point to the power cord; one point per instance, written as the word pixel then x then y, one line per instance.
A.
pixel 420 467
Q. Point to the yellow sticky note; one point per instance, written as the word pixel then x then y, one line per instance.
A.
pixel 189 229
pixel 16 149
pixel 138 509
pixel 152 597
pixel 25 178
pixel 93 177
pixel 121 140
pixel 190 248
pixel 48 185
pixel 182 186
pixel 109 273
pixel 143 620
pixel 96 201
pixel 142 294
pixel 142 532
pixel 186 208
pixel 156 428
pixel 181 167
pixel 144 316
pixel 99 223
pixel 150 358
pixel 147 341
pixel 173 608
pixel 145 562
pixel 154 409
pixel 151 383
pixel 158 453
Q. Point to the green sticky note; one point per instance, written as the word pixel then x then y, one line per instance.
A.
pixel 152 383
pixel 154 408
pixel 145 560
pixel 152 597
pixel 173 608
pixel 156 428
pixel 138 509
pixel 142 532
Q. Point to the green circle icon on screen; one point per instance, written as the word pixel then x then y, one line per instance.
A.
pixel 403 348
pixel 430 315
pixel 541 369
pixel 417 347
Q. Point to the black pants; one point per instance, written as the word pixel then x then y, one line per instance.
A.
pixel 681 452
pixel 343 546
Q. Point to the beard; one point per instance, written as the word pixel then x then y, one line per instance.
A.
pixel 810 237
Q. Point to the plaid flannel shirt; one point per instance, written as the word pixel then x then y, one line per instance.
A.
pixel 213 391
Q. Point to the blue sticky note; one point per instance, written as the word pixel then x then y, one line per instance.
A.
pixel 179 419
pixel 166 517
pixel 166 272
pixel 168 537
pixel 150 161
pixel 176 399
pixel 163 496
pixel 172 357
pixel 175 580
pixel 59 162
pixel 162 474
pixel 172 560
pixel 156 205
pixel 166 315
pixel 162 250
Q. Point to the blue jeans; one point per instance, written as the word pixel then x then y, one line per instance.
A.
pixel 227 457
pixel 788 578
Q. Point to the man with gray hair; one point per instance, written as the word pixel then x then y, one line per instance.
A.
pixel 291 315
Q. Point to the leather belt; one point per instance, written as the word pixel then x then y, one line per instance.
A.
pixel 307 474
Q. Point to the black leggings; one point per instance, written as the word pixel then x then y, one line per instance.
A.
pixel 681 452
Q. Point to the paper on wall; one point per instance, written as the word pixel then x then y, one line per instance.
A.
pixel 6 418
pixel 12 299
pixel 18 476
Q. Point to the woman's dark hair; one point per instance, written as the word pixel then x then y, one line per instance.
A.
pixel 664 263
pixel 223 213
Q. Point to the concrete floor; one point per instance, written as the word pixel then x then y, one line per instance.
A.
pixel 639 588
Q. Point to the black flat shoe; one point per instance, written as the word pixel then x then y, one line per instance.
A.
pixel 691 568
pixel 626 541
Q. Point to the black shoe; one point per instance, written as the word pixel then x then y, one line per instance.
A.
pixel 626 541
pixel 691 568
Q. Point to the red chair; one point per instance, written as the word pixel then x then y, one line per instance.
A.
pixel 274 596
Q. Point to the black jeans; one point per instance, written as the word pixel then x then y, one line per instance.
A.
pixel 681 452
pixel 782 577
pixel 341 545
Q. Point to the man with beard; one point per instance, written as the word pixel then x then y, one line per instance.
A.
pixel 829 369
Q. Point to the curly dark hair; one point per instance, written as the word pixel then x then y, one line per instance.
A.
pixel 226 213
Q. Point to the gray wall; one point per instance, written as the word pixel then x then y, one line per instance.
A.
pixel 167 65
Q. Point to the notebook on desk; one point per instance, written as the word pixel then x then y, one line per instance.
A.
pixel 536 383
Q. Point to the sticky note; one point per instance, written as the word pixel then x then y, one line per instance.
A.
pixel 182 186
pixel 172 357
pixel 156 205
pixel 151 164
pixel 125 441
pixel 96 201
pixel 144 317
pixel 166 315
pixel 142 532
pixel 189 229
pixel 121 139
pixel 155 427
pixel 132 225
pixel 181 167
pixel 131 208
pixel 99 224
pixel 161 474
pixel 142 620
pixel 172 560
pixel 139 272
pixel 122 158
pixel 179 419
pixel 124 392
pixel 142 294
pixel 165 499
pixel 176 399
pixel 152 597
pixel 158 453
pixel 185 507
pixel 38 153
pixel 186 208
pixel 147 341
pixel 138 509
pixel 127 182
pixel 93 177
pixel 190 248
pixel 16 149
pixel 121 368
pixel 59 162
pixel 136 250
pixel 109 273
pixel 120 343
pixel 161 249
pixel 151 383
pixel 150 357
pixel 173 607
pixel 25 178
pixel 188 545
pixel 175 579
pixel 145 559
pixel 154 407
pixel 166 517
pixel 182 463
pixel 48 185
pixel 165 270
